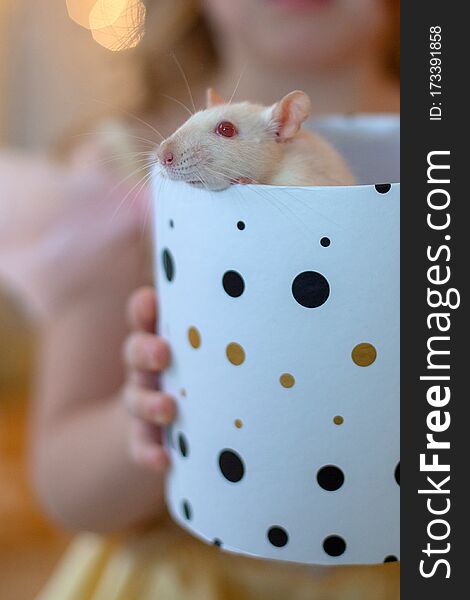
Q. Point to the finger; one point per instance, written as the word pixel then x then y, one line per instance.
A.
pixel 142 309
pixel 146 352
pixel 152 406
pixel 144 379
pixel 145 449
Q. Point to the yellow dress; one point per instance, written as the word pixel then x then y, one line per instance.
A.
pixel 166 563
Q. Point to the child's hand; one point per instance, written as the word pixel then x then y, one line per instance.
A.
pixel 145 355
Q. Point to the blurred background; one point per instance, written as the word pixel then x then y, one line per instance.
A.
pixel 62 62
pixel 52 78
pixel 51 72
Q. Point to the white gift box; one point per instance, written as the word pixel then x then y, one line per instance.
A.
pixel 281 306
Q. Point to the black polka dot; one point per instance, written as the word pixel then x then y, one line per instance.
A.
pixel 241 225
pixel 310 289
pixel 183 445
pixel 171 223
pixel 334 545
pixel 231 465
pixel 278 536
pixel 168 264
pixel 390 558
pixel 330 478
pixel 397 473
pixel 383 188
pixel 233 284
pixel 325 242
pixel 217 542
pixel 187 510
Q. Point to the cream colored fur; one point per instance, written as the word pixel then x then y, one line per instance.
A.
pixel 269 148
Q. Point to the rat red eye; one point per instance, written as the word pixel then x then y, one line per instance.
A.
pixel 226 129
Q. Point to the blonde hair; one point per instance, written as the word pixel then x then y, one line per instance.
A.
pixel 175 27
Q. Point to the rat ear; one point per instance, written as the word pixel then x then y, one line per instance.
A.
pixel 289 114
pixel 213 98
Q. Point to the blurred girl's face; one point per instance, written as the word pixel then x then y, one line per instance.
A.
pixel 301 33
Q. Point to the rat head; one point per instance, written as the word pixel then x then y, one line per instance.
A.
pixel 232 143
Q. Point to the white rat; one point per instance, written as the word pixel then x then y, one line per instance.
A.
pixel 250 143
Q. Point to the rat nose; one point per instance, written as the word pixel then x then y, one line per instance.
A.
pixel 167 157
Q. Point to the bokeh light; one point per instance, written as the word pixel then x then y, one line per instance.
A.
pixel 114 24
pixel 126 31
pixel 79 11
pixel 105 13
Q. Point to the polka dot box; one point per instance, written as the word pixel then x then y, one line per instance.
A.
pixel 282 309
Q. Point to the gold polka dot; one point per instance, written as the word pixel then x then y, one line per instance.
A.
pixel 194 337
pixel 287 380
pixel 235 353
pixel 238 423
pixel 338 420
pixel 364 354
